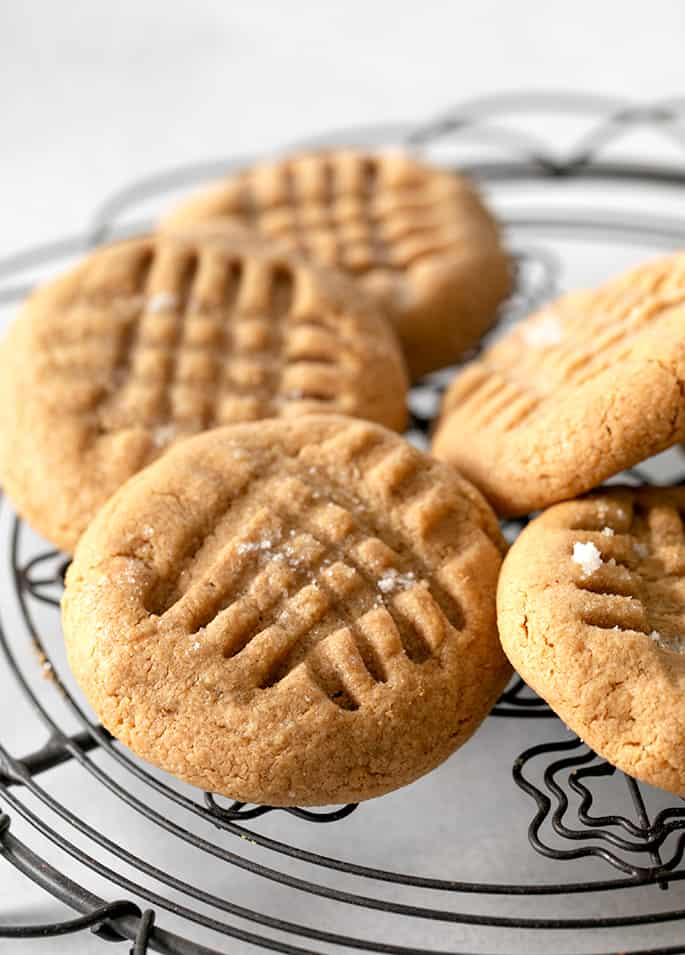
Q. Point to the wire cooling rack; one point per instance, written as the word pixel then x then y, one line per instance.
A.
pixel 141 857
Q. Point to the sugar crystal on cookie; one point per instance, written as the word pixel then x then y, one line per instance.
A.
pixel 675 644
pixel 162 302
pixel 247 547
pixel 544 332
pixel 587 556
pixel 163 435
pixel 392 580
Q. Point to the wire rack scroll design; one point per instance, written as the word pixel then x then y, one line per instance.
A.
pixel 646 851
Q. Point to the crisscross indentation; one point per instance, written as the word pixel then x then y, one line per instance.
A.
pixel 489 397
pixel 399 506
pixel 200 336
pixel 297 572
pixel 353 210
pixel 640 583
pixel 312 583
pixel 566 346
pixel 602 329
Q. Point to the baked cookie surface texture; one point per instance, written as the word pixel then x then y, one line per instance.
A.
pixel 293 612
pixel 152 340
pixel 591 612
pixel 418 238
pixel 587 387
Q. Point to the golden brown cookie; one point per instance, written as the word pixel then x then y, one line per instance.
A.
pixel 416 237
pixel 290 612
pixel 592 384
pixel 591 612
pixel 152 340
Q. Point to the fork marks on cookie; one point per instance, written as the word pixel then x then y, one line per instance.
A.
pixel 640 582
pixel 351 210
pixel 313 576
pixel 594 332
pixel 206 335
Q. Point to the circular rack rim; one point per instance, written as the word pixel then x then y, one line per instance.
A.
pixel 124 919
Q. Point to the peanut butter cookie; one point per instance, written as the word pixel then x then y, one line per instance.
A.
pixel 591 612
pixel 587 387
pixel 416 237
pixel 290 612
pixel 152 340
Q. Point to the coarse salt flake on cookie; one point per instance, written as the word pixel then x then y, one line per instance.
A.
pixel 588 556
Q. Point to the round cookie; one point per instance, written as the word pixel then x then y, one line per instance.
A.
pixel 591 612
pixel 151 340
pixel 590 385
pixel 416 237
pixel 290 612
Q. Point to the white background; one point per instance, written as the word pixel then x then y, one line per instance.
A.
pixel 94 94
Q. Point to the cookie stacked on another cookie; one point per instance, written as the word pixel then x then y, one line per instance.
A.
pixel 290 612
pixel 418 239
pixel 152 340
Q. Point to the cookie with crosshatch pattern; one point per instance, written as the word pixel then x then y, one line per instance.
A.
pixel 591 612
pixel 590 385
pixel 294 612
pixel 418 238
pixel 157 338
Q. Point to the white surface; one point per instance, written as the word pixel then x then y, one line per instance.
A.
pixel 94 94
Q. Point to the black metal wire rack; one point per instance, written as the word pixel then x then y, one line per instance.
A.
pixel 255 878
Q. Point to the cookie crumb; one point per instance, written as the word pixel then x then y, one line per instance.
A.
pixel 162 302
pixel 608 531
pixel 587 556
pixel 196 645
pixel 543 332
